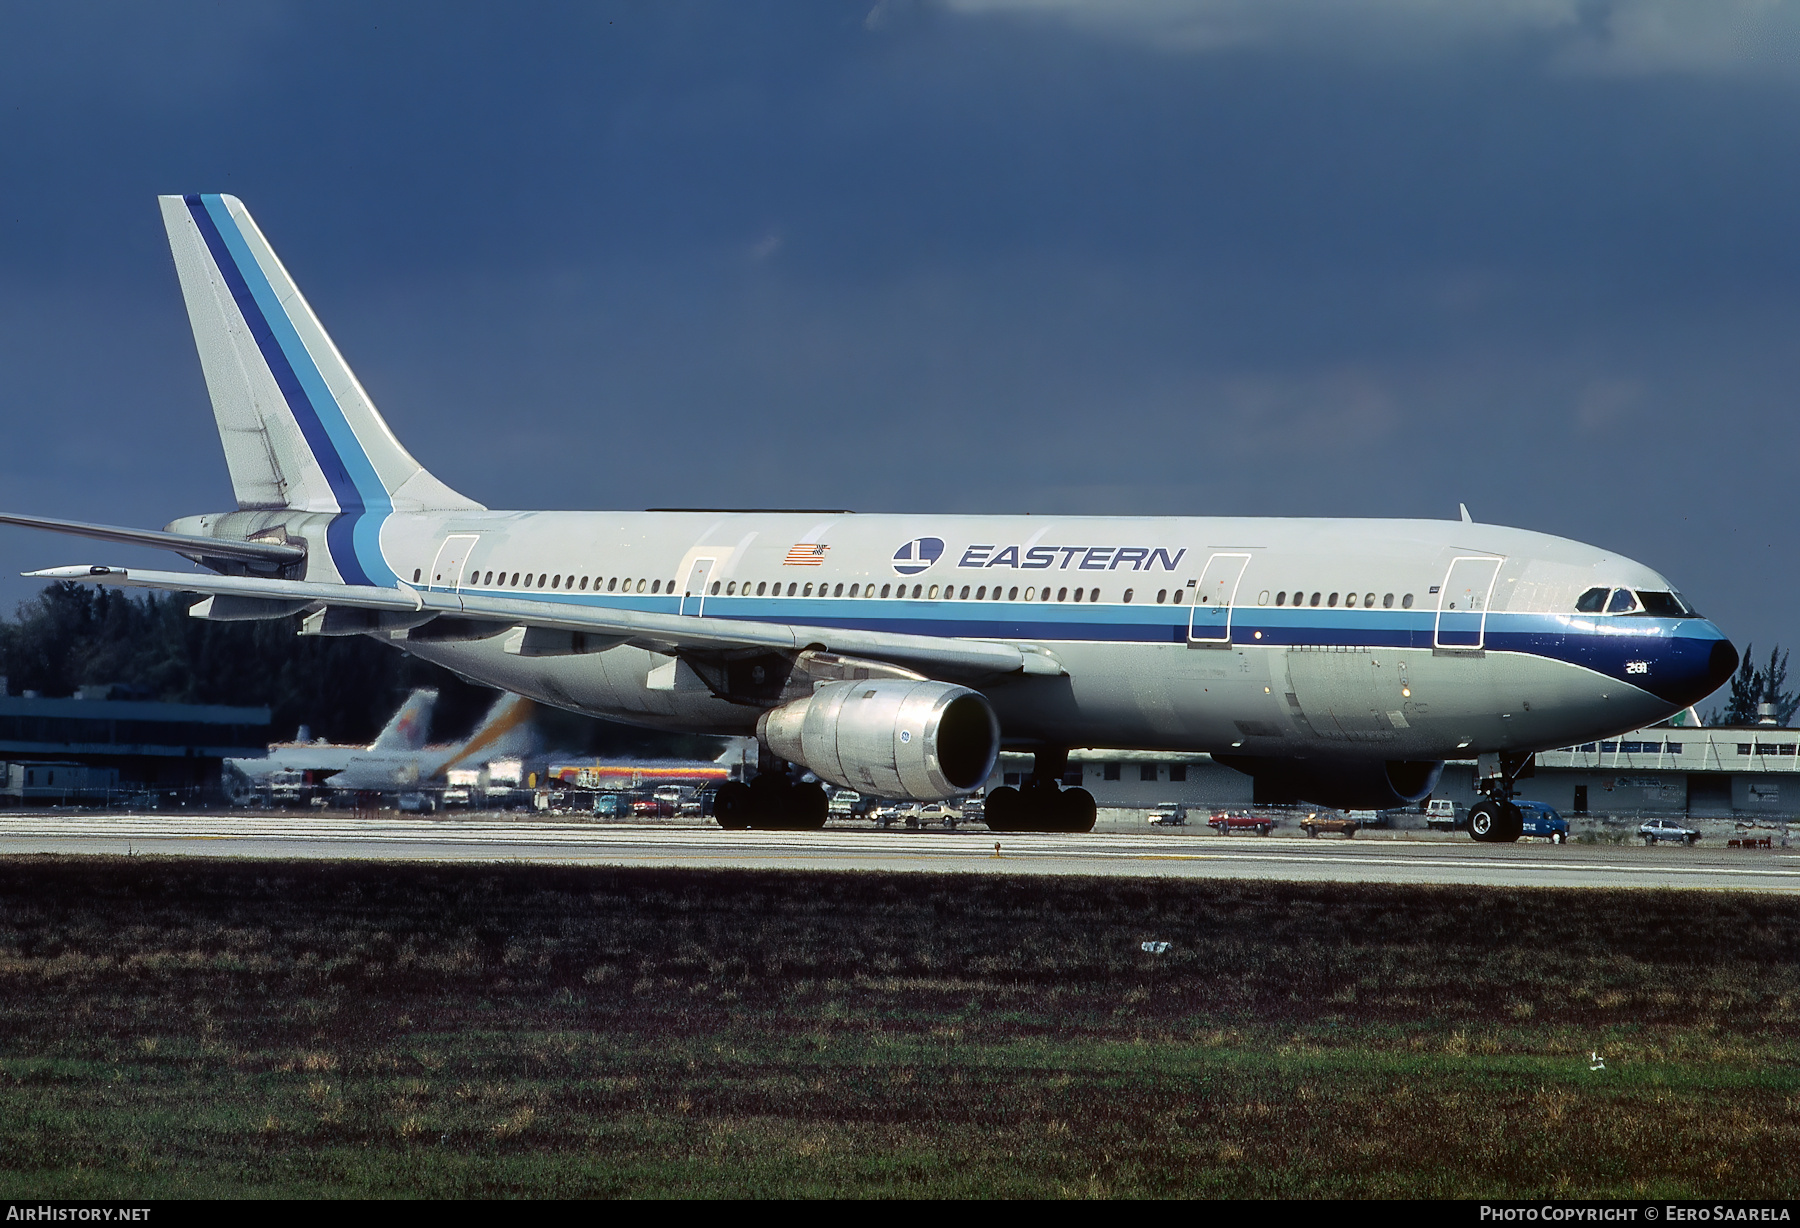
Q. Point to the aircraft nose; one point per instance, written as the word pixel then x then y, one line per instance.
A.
pixel 1722 664
pixel 1690 669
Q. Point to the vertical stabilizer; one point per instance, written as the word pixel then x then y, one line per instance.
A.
pixel 299 431
pixel 409 726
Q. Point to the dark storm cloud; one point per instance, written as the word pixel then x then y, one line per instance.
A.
pixel 1285 258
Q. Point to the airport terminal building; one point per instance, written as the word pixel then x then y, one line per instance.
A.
pixel 90 751
pixel 1708 773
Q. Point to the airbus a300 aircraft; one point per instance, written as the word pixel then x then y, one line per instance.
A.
pixel 1340 661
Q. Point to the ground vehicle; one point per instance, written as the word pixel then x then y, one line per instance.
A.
pixel 669 796
pixel 845 803
pixel 1655 831
pixel 895 812
pixel 1169 814
pixel 1441 815
pixel 606 804
pixel 1227 821
pixel 1542 820
pixel 1326 820
pixel 1368 818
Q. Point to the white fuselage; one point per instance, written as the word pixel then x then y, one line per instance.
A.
pixel 1411 639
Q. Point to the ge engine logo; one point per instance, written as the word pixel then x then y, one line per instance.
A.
pixel 916 555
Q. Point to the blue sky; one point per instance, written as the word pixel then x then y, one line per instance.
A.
pixel 1295 257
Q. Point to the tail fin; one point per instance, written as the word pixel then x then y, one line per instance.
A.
pixel 507 729
pixel 410 725
pixel 299 431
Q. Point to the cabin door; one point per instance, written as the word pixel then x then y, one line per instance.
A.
pixel 452 557
pixel 693 593
pixel 1209 618
pixel 1463 602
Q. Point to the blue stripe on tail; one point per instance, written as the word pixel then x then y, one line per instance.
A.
pixel 353 536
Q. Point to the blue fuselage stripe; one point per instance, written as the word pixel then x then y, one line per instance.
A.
pixel 1610 646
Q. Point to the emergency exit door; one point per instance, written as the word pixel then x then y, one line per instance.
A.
pixel 1209 618
pixel 1463 602
pixel 693 593
pixel 452 558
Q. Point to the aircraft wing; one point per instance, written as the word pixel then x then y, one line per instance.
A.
pixel 672 633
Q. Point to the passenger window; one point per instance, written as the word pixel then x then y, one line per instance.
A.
pixel 1128 596
pixel 981 593
pixel 715 588
pixel 965 592
pixel 1315 598
pixel 1622 602
pixel 807 592
pixel 839 591
pixel 1406 602
pixel 415 575
pixel 1281 597
pixel 1013 593
pixel 1368 601
pixel 1162 595
pixel 884 590
pixel 1331 600
pixel 1591 602
pixel 853 589
pixel 1350 599
pixel 1262 599
pixel 933 593
pixel 1387 601
pixel 1062 594
pixel 762 587
pixel 611 585
pixel 1179 595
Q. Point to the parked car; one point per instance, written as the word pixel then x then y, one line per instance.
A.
pixel 844 803
pixel 1169 814
pixel 1441 814
pixel 1655 831
pixel 1326 820
pixel 1368 818
pixel 606 804
pixel 1227 821
pixel 1543 821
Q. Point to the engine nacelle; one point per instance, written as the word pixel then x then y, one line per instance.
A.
pixel 889 737
pixel 1349 784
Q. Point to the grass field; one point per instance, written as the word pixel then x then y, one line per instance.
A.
pixel 212 1028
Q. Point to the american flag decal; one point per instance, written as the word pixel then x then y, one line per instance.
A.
pixel 805 554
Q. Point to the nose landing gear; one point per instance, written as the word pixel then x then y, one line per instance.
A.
pixel 1041 804
pixel 1494 819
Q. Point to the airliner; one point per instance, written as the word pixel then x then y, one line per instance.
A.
pixel 1340 661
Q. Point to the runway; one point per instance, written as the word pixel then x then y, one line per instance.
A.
pixel 1173 854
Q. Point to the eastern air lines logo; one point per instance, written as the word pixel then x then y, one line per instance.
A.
pixel 916 555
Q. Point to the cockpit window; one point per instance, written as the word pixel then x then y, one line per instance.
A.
pixel 1622 602
pixel 1591 602
pixel 1666 605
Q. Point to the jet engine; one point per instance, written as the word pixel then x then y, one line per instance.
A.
pixel 1348 784
pixel 889 737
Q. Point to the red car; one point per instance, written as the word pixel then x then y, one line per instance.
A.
pixel 1227 821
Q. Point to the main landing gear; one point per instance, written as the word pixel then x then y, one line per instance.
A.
pixel 1041 805
pixel 773 800
pixel 1494 819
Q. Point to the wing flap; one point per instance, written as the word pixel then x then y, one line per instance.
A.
pixel 659 632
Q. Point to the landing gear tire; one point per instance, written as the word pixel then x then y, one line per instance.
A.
pixel 1486 821
pixel 1004 809
pixel 734 806
pixel 807 807
pixel 1076 809
pixel 1496 822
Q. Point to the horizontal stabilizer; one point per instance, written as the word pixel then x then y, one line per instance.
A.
pixel 181 543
